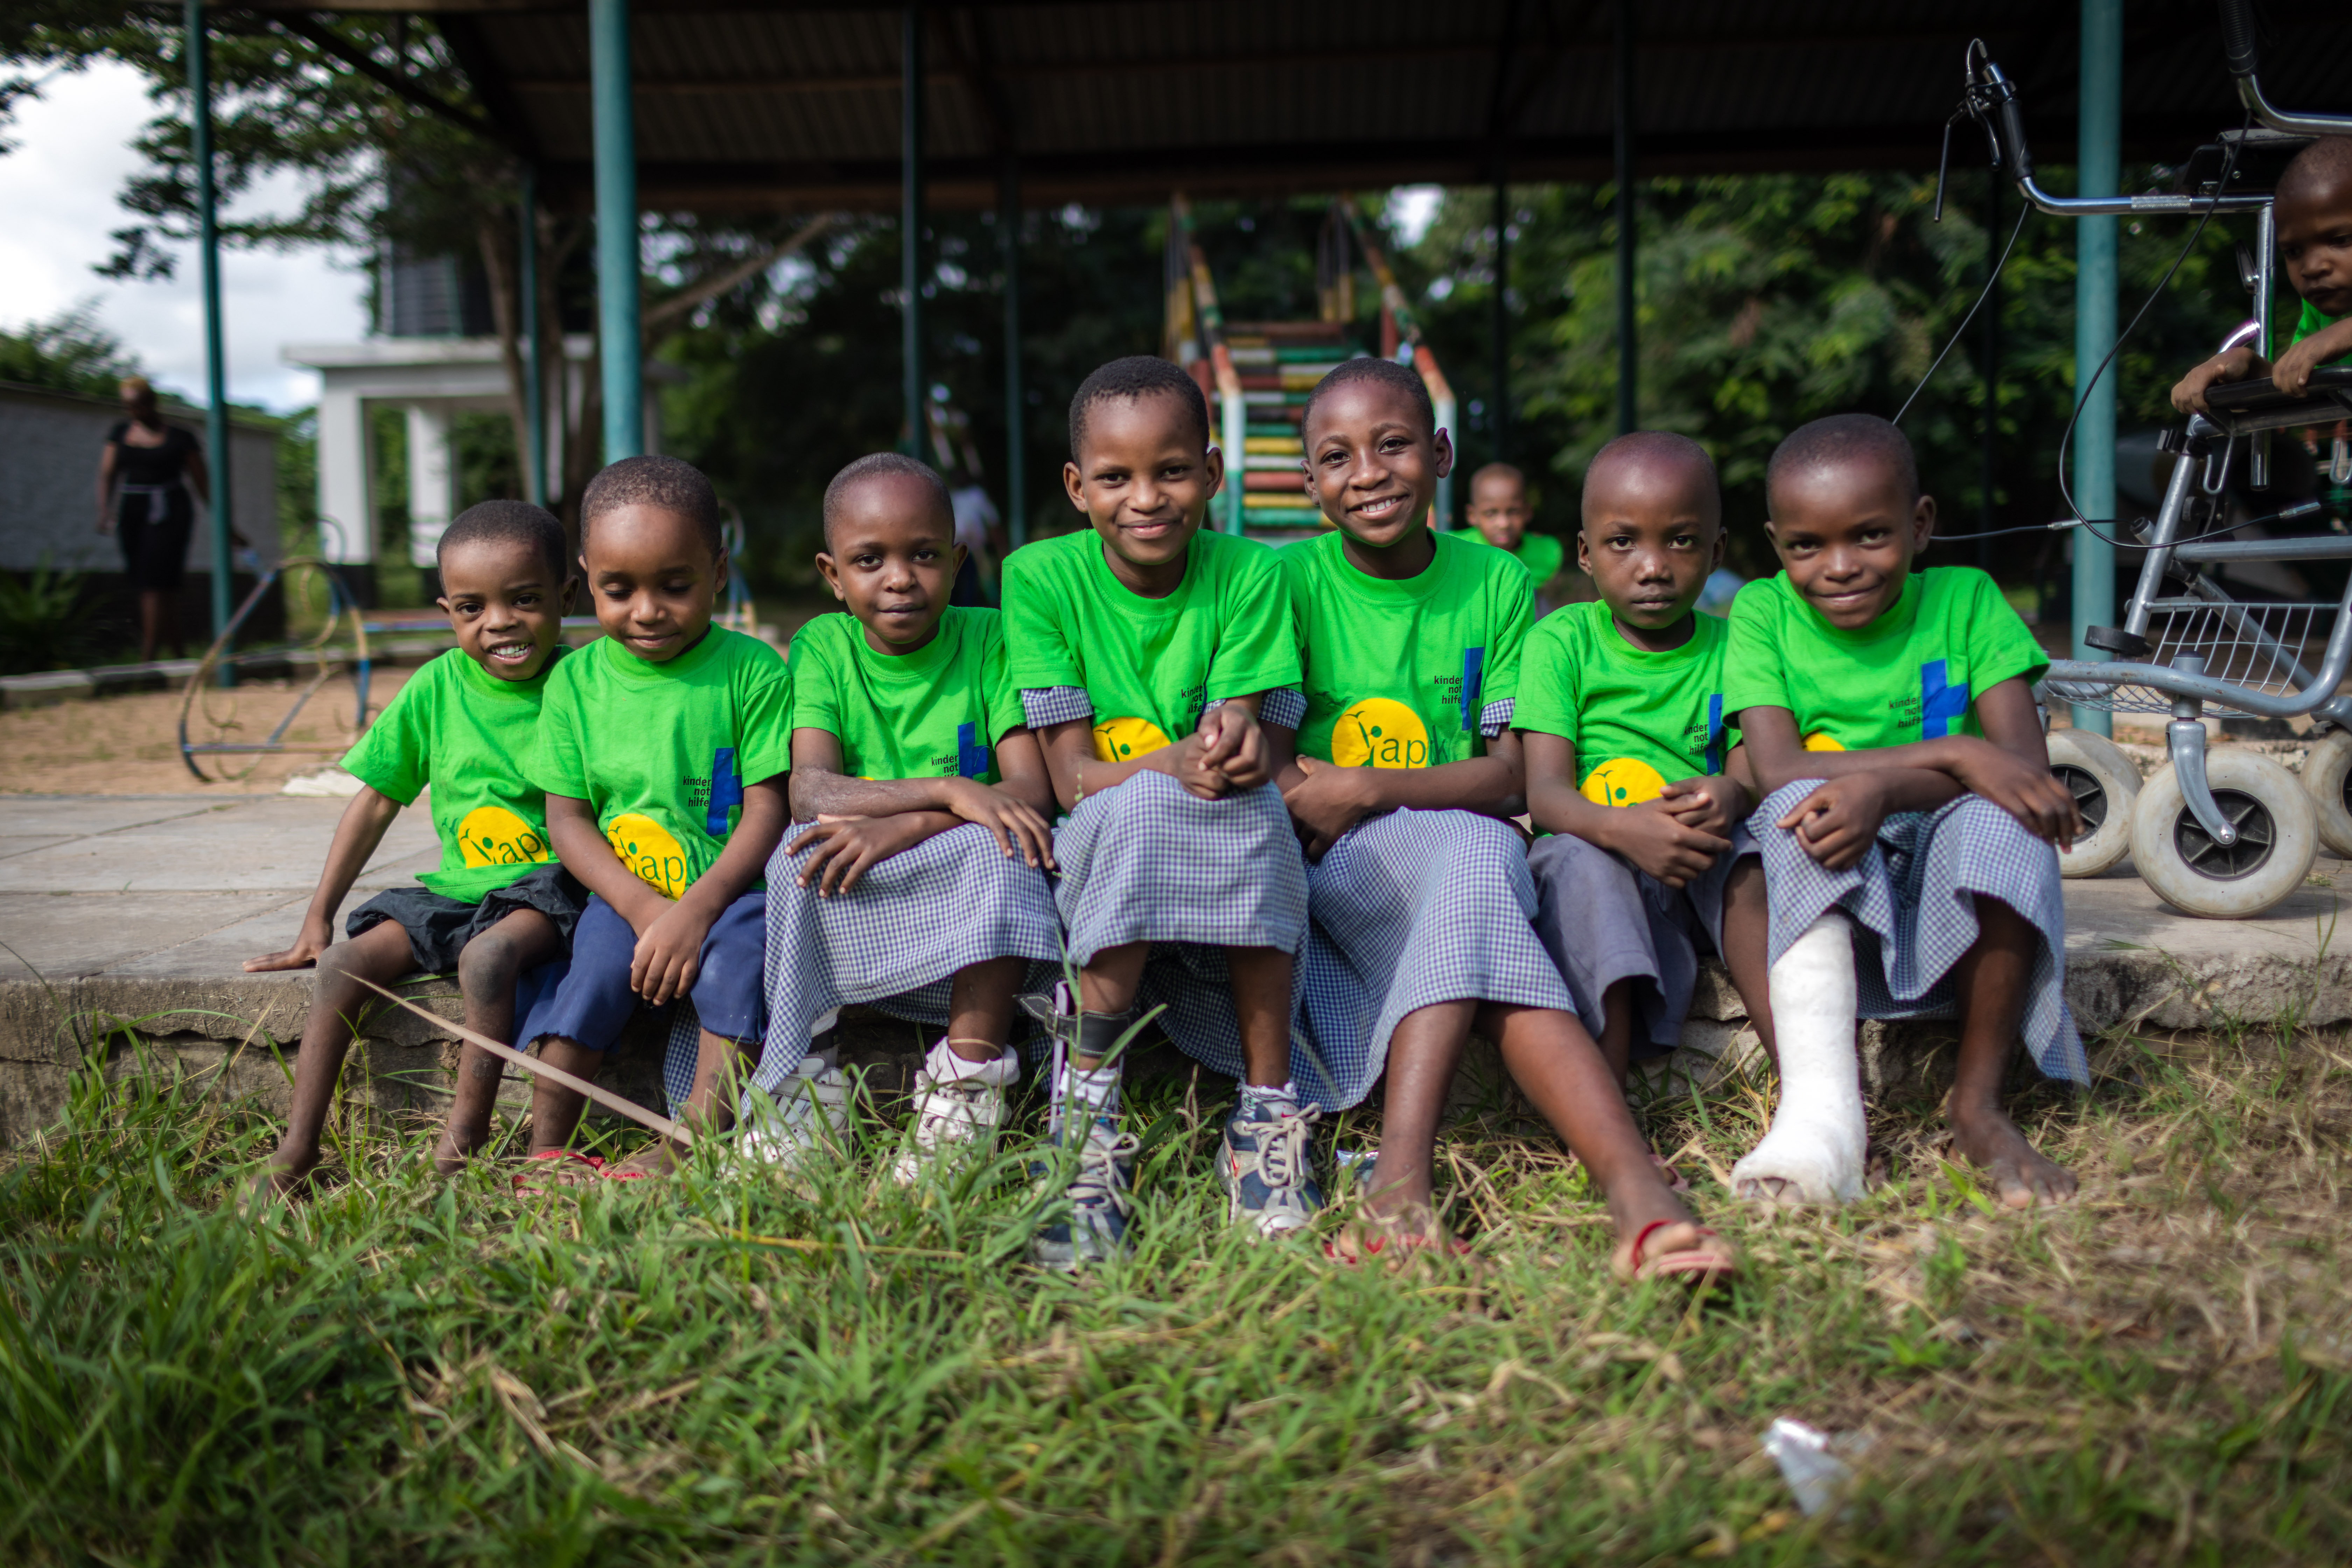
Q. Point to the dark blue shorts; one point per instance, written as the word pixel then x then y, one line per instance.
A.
pixel 595 1001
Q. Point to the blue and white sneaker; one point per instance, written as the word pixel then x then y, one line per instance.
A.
pixel 1093 1228
pixel 1265 1167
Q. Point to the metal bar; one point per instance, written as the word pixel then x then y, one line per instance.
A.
pixel 2098 167
pixel 1502 325
pixel 911 222
pixel 2317 693
pixel 2252 629
pixel 2327 547
pixel 2249 93
pixel 222 516
pixel 1628 415
pixel 621 343
pixel 534 384
pixel 2169 518
pixel 2258 451
pixel 1987 510
pixel 1016 403
pixel 2109 205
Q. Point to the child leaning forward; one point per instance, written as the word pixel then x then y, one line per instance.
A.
pixel 919 885
pixel 1420 896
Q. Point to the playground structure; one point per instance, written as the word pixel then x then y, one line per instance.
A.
pixel 1257 375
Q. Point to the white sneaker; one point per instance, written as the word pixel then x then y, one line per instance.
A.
pixel 955 1109
pixel 809 1117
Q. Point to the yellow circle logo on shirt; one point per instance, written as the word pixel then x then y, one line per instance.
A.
pixel 1820 742
pixel 493 835
pixel 1623 781
pixel 1124 740
pixel 652 856
pixel 1380 733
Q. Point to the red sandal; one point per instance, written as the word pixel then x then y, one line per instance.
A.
pixel 1694 1265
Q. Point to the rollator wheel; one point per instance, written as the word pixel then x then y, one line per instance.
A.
pixel 2106 784
pixel 2278 837
pixel 2328 780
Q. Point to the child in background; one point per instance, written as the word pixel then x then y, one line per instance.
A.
pixel 498 906
pixel 1908 815
pixel 1141 648
pixel 1631 763
pixel 921 886
pixel 662 751
pixel 1406 768
pixel 1499 514
pixel 2313 210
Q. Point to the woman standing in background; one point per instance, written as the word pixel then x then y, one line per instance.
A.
pixel 144 478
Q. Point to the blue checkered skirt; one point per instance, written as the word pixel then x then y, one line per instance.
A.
pixel 1149 861
pixel 1911 900
pixel 1411 909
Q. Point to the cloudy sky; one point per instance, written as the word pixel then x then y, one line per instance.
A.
pixel 57 189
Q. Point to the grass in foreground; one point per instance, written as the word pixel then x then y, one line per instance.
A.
pixel 721 1369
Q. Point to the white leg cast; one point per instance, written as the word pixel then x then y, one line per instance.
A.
pixel 1818 1137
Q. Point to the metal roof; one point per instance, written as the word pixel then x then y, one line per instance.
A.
pixel 790 105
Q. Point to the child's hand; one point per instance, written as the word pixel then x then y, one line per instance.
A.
pixel 1661 843
pixel 1187 762
pixel 668 954
pixel 2189 394
pixel 2292 374
pixel 1839 821
pixel 848 846
pixel 314 940
pixel 2043 806
pixel 1708 805
pixel 1327 802
pixel 1236 745
pixel 1018 828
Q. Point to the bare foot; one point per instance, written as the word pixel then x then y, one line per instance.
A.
pixel 453 1153
pixel 1394 1228
pixel 283 1178
pixel 1773 1192
pixel 1674 1249
pixel 2020 1173
pixel 658 1158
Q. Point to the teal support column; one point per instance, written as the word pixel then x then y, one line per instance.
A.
pixel 619 335
pixel 2099 163
pixel 1629 415
pixel 217 476
pixel 1016 402
pixel 910 226
pixel 534 377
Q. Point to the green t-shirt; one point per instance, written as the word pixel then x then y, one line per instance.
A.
pixel 662 753
pixel 1639 720
pixel 2311 320
pixel 1914 673
pixel 469 735
pixel 1148 666
pixel 1397 673
pixel 934 714
pixel 1540 553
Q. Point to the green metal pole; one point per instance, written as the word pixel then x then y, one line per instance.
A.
pixel 1016 447
pixel 911 225
pixel 617 266
pixel 2099 165
pixel 1628 406
pixel 200 124
pixel 534 384
pixel 1501 421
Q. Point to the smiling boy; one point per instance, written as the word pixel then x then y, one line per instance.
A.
pixel 918 885
pixel 662 751
pixel 1406 768
pixel 498 906
pixel 1141 648
pixel 1908 818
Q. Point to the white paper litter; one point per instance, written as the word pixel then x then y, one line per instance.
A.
pixel 1814 1474
pixel 327 784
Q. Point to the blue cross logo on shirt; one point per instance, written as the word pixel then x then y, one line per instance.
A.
pixel 1941 705
pixel 725 791
pixel 971 756
pixel 1714 732
pixel 1474 664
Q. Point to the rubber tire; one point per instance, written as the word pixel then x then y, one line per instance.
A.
pixel 2326 769
pixel 2119 782
pixel 2294 838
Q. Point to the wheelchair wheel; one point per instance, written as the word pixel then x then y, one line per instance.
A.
pixel 2328 780
pixel 2278 837
pixel 2105 785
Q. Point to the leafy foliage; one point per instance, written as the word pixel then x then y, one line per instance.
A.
pixel 68 353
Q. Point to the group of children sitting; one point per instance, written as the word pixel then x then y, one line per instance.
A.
pixel 1261 799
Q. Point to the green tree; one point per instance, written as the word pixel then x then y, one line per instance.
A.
pixel 68 353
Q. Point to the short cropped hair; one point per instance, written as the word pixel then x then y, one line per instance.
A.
pixel 1664 447
pixel 1842 439
pixel 2325 165
pixel 880 465
pixel 1136 377
pixel 510 522
pixel 1386 372
pixel 1510 471
pixel 670 483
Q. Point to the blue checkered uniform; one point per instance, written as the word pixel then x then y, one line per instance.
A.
pixel 1913 918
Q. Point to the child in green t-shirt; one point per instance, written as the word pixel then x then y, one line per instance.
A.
pixel 1498 513
pixel 1632 770
pixel 1908 818
pixel 1141 648
pixel 1405 775
pixel 662 751
pixel 2312 211
pixel 498 908
pixel 920 885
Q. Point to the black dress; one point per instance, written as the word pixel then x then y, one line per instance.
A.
pixel 153 512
